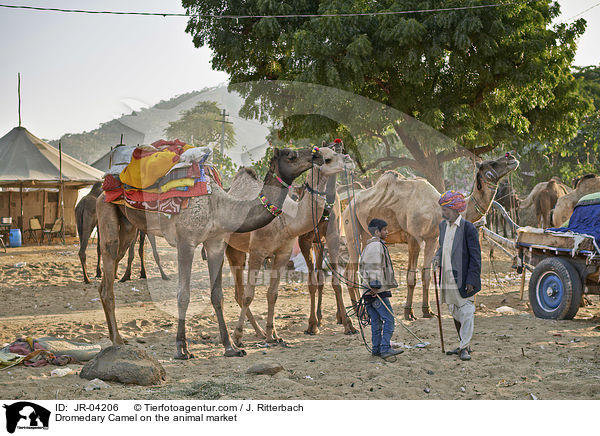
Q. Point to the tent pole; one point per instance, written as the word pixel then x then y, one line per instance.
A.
pixel 44 194
pixel 19 93
pixel 62 195
pixel 22 224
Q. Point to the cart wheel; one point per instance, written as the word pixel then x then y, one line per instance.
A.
pixel 555 289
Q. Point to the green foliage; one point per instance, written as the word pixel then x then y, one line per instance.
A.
pixel 486 77
pixel 199 125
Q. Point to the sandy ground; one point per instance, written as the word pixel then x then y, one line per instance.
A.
pixel 515 355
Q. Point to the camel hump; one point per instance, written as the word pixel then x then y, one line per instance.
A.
pixel 245 172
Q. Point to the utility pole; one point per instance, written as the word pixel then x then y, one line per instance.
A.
pixel 223 122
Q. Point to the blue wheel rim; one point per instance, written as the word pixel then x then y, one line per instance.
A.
pixel 550 291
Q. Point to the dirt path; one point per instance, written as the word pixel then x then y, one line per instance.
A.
pixel 515 355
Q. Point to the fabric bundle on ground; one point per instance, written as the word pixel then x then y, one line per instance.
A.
pixel 46 351
pixel 162 177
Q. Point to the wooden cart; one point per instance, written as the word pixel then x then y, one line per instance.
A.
pixel 565 266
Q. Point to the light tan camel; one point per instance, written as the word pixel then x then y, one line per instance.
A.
pixel 276 240
pixel 543 198
pixel 206 221
pixel 312 246
pixel 411 209
pixel 566 204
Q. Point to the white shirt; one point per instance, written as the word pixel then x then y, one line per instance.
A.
pixel 450 294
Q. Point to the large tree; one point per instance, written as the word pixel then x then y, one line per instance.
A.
pixel 484 77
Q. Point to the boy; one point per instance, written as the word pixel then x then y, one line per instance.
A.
pixel 377 272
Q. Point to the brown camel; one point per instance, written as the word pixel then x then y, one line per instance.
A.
pixel 411 209
pixel 566 204
pixel 85 216
pixel 276 240
pixel 543 198
pixel 507 197
pixel 206 220
pixel 312 246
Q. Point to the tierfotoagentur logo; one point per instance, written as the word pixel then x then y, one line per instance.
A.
pixel 26 415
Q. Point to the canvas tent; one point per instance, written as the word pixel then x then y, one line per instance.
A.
pixel 31 178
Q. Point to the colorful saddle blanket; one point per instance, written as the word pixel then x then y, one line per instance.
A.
pixel 162 180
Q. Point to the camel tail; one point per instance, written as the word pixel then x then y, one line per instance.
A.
pixel 79 220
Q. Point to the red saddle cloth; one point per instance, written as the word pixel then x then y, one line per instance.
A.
pixel 172 201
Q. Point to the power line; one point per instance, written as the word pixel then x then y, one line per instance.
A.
pixel 239 17
pixel 584 11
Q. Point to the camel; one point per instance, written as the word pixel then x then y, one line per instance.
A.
pixel 276 240
pixel 507 197
pixel 312 245
pixel 206 220
pixel 411 209
pixel 85 216
pixel 566 204
pixel 543 198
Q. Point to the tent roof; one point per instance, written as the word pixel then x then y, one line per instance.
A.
pixel 26 160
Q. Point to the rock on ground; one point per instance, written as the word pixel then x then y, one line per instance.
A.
pixel 269 368
pixel 125 364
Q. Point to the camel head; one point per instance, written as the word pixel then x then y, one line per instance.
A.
pixel 335 162
pixel 491 171
pixel 289 164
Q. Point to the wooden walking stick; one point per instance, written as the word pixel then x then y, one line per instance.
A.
pixel 437 302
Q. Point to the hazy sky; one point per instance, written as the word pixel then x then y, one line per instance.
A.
pixel 78 71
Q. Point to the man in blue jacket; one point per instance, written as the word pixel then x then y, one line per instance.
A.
pixel 459 256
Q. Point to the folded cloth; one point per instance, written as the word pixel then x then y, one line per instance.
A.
pixel 178 183
pixel 9 359
pixel 111 182
pixel 145 170
pixel 199 188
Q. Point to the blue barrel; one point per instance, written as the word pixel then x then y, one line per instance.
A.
pixel 14 238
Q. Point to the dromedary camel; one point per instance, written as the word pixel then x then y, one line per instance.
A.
pixel 507 197
pixel 543 198
pixel 206 220
pixel 566 204
pixel 276 240
pixel 312 245
pixel 87 220
pixel 411 209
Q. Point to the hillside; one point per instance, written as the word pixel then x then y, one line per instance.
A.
pixel 147 125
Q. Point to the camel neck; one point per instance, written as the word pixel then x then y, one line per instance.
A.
pixel 311 206
pixel 480 200
pixel 254 213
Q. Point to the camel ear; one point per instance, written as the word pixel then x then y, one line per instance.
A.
pixel 275 152
pixel 478 166
pixel 324 144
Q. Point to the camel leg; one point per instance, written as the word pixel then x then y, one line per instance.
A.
pixel 254 264
pixel 98 254
pixel 156 256
pixel 185 258
pixel 320 273
pixel 305 248
pixel 411 276
pixel 141 254
pixel 277 270
pixel 116 237
pixel 333 247
pixel 215 249
pixel 350 273
pixel 237 261
pixel 83 243
pixel 127 275
pixel 428 253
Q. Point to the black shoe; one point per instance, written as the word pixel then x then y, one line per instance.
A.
pixel 376 354
pixel 464 354
pixel 392 352
pixel 452 352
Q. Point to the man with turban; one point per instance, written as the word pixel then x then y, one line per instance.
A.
pixel 459 256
